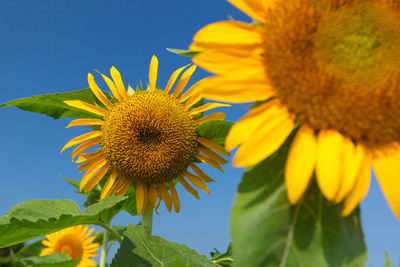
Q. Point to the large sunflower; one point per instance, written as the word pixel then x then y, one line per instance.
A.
pixel 331 69
pixel 74 241
pixel 147 138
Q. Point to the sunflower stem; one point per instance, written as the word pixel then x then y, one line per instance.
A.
pixel 103 256
pixel 111 230
pixel 147 219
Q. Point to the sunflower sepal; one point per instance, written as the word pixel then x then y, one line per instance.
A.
pixel 181 52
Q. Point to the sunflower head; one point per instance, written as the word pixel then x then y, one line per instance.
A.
pixel 75 242
pixel 328 66
pixel 148 138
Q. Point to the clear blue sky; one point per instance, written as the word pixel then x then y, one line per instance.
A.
pixel 49 46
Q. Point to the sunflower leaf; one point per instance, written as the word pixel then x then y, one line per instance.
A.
pixel 36 218
pixel 53 106
pixel 267 231
pixel 181 52
pixel 215 130
pixel 141 249
pixel 111 238
pixel 52 260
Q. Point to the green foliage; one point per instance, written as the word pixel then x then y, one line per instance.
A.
pixel 222 259
pixel 36 218
pixel 388 263
pixel 139 249
pixel 215 130
pixel 111 238
pixel 52 260
pixel 52 104
pixel 267 231
pixel 186 53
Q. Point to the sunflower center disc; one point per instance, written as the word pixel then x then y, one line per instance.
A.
pixel 71 245
pixel 149 137
pixel 336 65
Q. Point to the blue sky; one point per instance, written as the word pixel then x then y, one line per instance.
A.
pixel 49 46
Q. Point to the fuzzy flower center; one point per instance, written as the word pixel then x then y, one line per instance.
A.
pixel 149 137
pixel 335 65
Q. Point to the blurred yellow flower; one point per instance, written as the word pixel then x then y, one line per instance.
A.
pixel 330 67
pixel 74 241
pixel 148 138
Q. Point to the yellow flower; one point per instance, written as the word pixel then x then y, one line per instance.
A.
pixel 147 138
pixel 74 241
pixel 328 66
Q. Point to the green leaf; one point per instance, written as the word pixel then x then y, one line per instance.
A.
pixel 186 53
pixel 140 249
pixel 215 130
pixel 36 218
pixel 267 231
pixel 31 249
pixel 52 104
pixel 388 263
pixel 222 259
pixel 52 260
pixel 74 183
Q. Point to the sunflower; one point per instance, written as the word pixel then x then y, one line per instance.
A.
pixel 147 138
pixel 74 241
pixel 328 69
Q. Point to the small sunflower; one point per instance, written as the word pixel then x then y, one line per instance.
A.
pixel 147 138
pixel 331 69
pixel 74 241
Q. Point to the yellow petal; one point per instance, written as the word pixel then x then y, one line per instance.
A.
pixel 140 197
pixel 96 178
pixel 254 8
pixel 183 81
pixel 215 61
pixel 112 87
pixel 188 187
pixel 190 92
pixel 173 78
pixel 118 83
pixel 83 147
pixel 216 116
pixel 86 107
pixel 229 32
pixel 97 92
pixel 174 197
pixel 109 184
pixel 209 161
pixel 153 73
pixel 352 159
pixel 80 122
pixel 196 181
pixel 329 167
pixel 213 146
pixel 212 155
pixel 193 100
pixel 153 195
pixel 236 90
pixel 359 190
pixel 246 126
pixel 122 191
pixel 88 164
pixel 82 138
pixel 163 193
pixel 92 171
pixel 387 170
pixel 88 156
pixel 200 173
pixel 266 139
pixel 206 107
pixel 116 187
pixel 300 163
